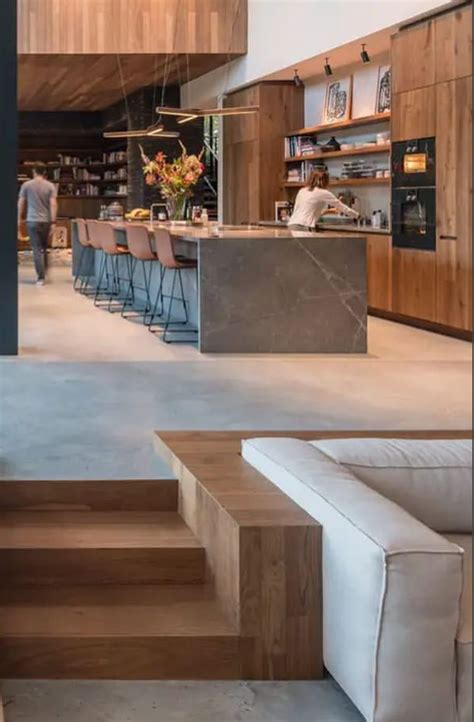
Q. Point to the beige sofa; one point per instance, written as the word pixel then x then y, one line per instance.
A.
pixel 397 560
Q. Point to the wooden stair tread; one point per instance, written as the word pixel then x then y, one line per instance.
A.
pixel 111 611
pixel 94 530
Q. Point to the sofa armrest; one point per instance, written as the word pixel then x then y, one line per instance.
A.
pixel 391 587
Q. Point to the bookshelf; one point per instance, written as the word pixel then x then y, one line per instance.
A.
pixel 358 166
pixel 80 175
pixel 340 153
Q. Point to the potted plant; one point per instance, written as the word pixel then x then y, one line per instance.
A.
pixel 175 179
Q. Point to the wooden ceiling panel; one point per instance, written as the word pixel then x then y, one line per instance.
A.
pixel 92 82
pixel 132 26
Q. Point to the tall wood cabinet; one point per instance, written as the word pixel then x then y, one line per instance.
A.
pixel 253 148
pixel 432 83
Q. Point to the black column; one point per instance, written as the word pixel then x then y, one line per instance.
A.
pixel 8 182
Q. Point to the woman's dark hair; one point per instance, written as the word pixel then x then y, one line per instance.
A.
pixel 318 179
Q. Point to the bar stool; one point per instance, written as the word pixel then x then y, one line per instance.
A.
pixel 171 262
pixel 104 234
pixel 86 248
pixel 97 246
pixel 139 245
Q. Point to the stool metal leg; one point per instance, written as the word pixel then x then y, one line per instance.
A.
pixel 159 299
pixel 79 268
pixel 102 271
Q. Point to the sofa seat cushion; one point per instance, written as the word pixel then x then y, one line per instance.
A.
pixel 432 480
pixel 464 635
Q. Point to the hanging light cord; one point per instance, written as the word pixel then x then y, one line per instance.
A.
pixel 169 58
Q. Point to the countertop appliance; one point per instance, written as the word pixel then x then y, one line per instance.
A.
pixel 414 194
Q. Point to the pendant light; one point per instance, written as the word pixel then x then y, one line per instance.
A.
pixel 186 115
pixel 156 130
pixel 153 131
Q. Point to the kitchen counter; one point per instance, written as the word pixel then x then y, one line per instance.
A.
pixel 351 228
pixel 333 227
pixel 271 290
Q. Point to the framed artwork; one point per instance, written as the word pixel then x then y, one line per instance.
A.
pixel 383 102
pixel 338 103
pixel 283 211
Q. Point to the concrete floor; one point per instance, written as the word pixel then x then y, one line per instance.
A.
pixel 176 702
pixel 88 389
pixel 85 394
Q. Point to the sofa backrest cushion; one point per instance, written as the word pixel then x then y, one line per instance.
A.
pixel 432 480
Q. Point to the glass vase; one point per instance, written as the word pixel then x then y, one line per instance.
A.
pixel 176 207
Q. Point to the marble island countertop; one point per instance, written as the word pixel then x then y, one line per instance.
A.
pixel 196 234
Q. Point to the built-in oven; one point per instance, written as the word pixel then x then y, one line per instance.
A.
pixel 414 163
pixel 414 218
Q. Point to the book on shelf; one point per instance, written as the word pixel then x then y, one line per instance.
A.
pixel 297 146
pixel 302 172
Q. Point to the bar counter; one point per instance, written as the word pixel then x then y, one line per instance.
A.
pixel 272 290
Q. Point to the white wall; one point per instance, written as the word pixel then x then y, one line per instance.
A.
pixel 364 90
pixel 282 33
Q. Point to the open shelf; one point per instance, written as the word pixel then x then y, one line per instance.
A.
pixel 340 153
pixel 93 198
pixel 347 182
pixel 343 125
pixel 29 166
pixel 90 181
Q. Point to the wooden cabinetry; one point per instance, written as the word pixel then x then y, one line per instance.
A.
pixel 432 75
pixel 453 45
pixel 414 284
pixel 454 203
pixel 253 145
pixel 413 114
pixel 379 272
pixel 413 58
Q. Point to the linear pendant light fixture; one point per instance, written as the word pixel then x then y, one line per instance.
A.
pixel 186 115
pixel 153 131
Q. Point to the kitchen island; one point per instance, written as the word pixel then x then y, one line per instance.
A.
pixel 266 290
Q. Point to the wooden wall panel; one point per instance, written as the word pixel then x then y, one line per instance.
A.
pixel 414 283
pixel 453 45
pixel 379 271
pixel 413 61
pixel 141 26
pixel 454 204
pixel 282 108
pixel 253 150
pixel 413 114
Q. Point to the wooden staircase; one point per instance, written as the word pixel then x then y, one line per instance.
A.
pixel 104 580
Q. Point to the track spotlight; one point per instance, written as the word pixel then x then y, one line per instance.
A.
pixel 365 57
pixel 327 68
pixel 297 80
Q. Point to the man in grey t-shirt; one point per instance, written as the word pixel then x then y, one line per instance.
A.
pixel 38 204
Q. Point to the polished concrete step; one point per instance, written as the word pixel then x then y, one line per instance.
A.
pixel 81 547
pixel 115 632
pixel 111 495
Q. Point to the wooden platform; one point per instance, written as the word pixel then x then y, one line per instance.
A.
pixel 215 574
pixel 263 552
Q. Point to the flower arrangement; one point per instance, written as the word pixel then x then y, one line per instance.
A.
pixel 175 179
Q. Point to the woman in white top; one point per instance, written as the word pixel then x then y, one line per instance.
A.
pixel 312 201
